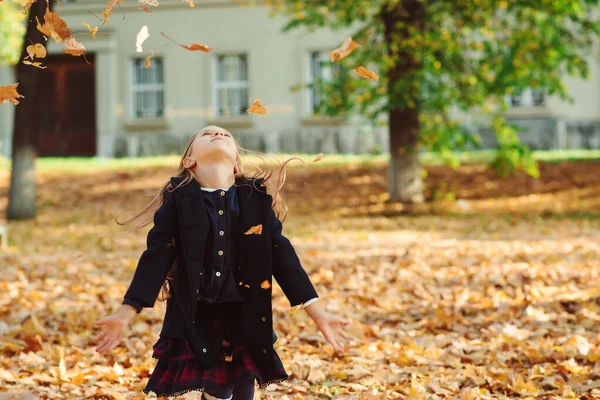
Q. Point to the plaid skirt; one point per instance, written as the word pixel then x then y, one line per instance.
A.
pixel 177 372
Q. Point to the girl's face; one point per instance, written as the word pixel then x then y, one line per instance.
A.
pixel 212 144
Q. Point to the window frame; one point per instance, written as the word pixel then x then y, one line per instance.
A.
pixel 219 85
pixel 135 87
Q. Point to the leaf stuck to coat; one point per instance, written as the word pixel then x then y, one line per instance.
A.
pixel 191 47
pixel 366 73
pixel 9 93
pixel 141 38
pixel 257 108
pixel 265 284
pixel 255 230
pixel 344 50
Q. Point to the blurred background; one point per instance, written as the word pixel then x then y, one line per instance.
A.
pixel 448 201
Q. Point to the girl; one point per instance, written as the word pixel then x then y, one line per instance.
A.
pixel 215 245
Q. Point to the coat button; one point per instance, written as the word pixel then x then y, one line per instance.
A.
pixel 264 319
pixel 204 350
pixel 265 351
pixel 200 273
pixel 217 273
pixel 197 291
pixel 220 212
pixel 222 193
pixel 193 322
pixel 220 252
pixel 221 233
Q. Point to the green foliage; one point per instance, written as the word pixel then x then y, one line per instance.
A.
pixel 12 30
pixel 468 55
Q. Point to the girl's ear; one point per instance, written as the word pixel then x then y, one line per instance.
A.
pixel 189 162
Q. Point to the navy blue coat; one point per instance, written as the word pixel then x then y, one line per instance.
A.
pixel 180 228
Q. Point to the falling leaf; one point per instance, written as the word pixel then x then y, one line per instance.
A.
pixel 256 108
pixel 36 51
pixel 73 47
pixel 146 4
pixel 141 37
pixel 344 50
pixel 193 46
pixel 28 3
pixel 265 284
pixel 295 308
pixel 54 26
pixel 366 73
pixel 255 230
pixel 111 4
pixel 319 157
pixel 9 93
pixel 93 30
pixel 148 59
pixel 36 64
pixel 190 2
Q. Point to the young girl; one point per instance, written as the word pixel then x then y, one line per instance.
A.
pixel 215 245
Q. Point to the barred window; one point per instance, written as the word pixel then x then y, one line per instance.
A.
pixel 320 67
pixel 147 89
pixel 231 85
pixel 530 97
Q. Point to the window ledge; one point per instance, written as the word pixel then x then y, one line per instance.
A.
pixel 324 121
pixel 527 112
pixel 146 124
pixel 237 121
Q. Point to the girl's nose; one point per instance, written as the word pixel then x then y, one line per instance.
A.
pixel 219 133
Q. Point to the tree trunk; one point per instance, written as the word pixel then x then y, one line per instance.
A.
pixel 22 194
pixel 405 183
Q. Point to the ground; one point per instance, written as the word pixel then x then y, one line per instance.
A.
pixel 488 290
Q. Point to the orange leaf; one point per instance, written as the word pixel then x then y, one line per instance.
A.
pixel 146 4
pixel 255 230
pixel 192 47
pixel 256 108
pixel 294 309
pixel 9 93
pixel 54 26
pixel 93 30
pixel 344 50
pixel 265 284
pixel 148 59
pixel 190 2
pixel 73 47
pixel 35 64
pixel 366 73
pixel 36 51
pixel 319 157
pixel 141 37
pixel 111 4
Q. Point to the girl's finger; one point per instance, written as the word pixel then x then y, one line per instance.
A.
pixel 343 334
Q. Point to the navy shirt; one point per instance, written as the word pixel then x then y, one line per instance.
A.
pixel 219 283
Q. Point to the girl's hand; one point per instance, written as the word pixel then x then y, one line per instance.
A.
pixel 112 328
pixel 330 325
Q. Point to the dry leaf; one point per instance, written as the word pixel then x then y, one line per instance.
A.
pixel 148 59
pixel 28 3
pixel 319 157
pixel 9 93
pixel 54 26
pixel 246 285
pixel 36 51
pixel 228 358
pixel 190 2
pixel 93 30
pixel 344 50
pixel 265 284
pixel 255 230
pixel 141 38
pixel 111 4
pixel 295 308
pixel 146 4
pixel 366 73
pixel 193 46
pixel 73 47
pixel 36 64
pixel 256 108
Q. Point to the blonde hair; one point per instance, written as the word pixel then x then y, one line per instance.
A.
pixel 146 215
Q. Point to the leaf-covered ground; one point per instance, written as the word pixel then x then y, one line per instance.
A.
pixel 490 291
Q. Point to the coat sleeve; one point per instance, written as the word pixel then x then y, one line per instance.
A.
pixel 156 261
pixel 287 269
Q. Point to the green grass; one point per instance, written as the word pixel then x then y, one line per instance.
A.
pixel 83 165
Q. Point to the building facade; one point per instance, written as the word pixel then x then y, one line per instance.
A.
pixel 111 105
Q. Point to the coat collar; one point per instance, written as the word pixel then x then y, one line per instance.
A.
pixel 194 187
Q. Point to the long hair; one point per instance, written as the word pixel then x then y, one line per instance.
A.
pixel 274 188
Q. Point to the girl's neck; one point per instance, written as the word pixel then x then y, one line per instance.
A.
pixel 216 175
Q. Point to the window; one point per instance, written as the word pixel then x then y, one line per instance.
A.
pixel 320 67
pixel 231 85
pixel 147 89
pixel 527 98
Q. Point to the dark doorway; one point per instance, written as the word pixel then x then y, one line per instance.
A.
pixel 67 108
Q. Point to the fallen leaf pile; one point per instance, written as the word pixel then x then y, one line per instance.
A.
pixel 497 300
